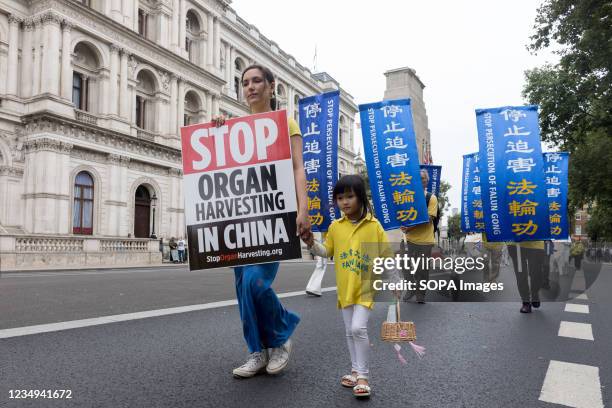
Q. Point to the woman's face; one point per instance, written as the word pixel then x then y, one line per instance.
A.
pixel 256 90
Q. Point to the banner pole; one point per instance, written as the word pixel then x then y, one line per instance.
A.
pixel 518 258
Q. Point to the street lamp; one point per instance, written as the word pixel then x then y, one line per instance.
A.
pixel 153 202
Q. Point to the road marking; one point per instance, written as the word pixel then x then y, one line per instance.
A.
pixel 575 330
pixel 582 296
pixel 572 385
pixel 76 324
pixel 575 308
pixel 578 284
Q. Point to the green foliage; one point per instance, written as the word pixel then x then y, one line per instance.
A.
pixel 454 227
pixel 575 99
pixel 443 200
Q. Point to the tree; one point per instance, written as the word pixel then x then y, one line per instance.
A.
pixel 575 98
pixel 454 227
pixel 443 201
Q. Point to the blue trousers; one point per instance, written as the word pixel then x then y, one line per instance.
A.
pixel 265 322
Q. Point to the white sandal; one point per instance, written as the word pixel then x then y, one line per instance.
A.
pixel 362 390
pixel 348 378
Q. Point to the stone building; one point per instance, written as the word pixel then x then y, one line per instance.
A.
pixel 404 83
pixel 92 96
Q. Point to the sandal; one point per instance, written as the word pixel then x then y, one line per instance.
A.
pixel 362 390
pixel 348 381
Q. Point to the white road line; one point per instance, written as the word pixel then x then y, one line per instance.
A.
pixel 572 385
pixel 75 324
pixel 582 296
pixel 575 308
pixel 575 330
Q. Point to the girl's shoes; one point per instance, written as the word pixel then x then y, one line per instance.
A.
pixel 526 307
pixel 362 390
pixel 349 381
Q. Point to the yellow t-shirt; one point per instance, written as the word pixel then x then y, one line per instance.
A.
pixel 294 128
pixel 354 246
pixel 423 234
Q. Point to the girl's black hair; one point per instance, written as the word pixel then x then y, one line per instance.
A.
pixel 268 76
pixel 356 184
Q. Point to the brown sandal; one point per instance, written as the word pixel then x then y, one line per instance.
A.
pixel 348 381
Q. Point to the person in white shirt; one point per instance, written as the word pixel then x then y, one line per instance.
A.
pixel 181 250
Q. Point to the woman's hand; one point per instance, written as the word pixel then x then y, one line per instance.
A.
pixel 303 226
pixel 218 120
pixel 309 241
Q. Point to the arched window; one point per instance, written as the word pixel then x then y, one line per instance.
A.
pixel 82 210
pixel 86 68
pixel 281 96
pixel 193 109
pixel 193 37
pixel 238 67
pixel 145 99
pixel 342 130
pixel 296 107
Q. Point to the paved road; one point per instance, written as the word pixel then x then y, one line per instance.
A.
pixel 478 354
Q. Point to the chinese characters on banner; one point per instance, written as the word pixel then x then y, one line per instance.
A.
pixel 556 175
pixel 472 215
pixel 512 174
pixel 319 126
pixel 393 163
pixel 434 178
pixel 240 204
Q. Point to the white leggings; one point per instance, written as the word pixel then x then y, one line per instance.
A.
pixel 356 324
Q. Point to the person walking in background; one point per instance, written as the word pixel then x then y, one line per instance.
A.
pixel 529 275
pixel 577 252
pixel 313 288
pixel 173 250
pixel 181 250
pixel 420 239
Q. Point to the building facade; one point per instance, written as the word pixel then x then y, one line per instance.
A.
pixel 404 83
pixel 92 96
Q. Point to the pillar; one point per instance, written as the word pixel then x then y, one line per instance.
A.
pixel 226 73
pixel 51 55
pixel 210 46
pixel 215 105
pixel 26 61
pixel 173 105
pixel 36 67
pixel 209 107
pixel 232 74
pixel 66 59
pixel 217 43
pixel 116 12
pixel 124 103
pixel 182 26
pixel 113 88
pixel 181 102
pixel 13 55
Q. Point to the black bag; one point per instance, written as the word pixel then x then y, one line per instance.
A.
pixel 436 218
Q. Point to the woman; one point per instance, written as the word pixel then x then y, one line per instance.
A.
pixel 267 326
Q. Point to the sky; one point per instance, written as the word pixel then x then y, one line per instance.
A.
pixel 469 55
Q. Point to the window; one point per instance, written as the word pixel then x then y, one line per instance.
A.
pixel 79 91
pixel 578 216
pixel 186 120
pixel 237 88
pixel 189 48
pixel 140 111
pixel 142 22
pixel 82 211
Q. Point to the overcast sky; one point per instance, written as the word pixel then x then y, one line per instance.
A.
pixel 468 54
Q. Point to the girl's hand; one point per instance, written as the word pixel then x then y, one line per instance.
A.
pixel 218 120
pixel 303 226
pixel 309 241
pixel 406 229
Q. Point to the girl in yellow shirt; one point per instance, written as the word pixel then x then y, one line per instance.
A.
pixel 354 241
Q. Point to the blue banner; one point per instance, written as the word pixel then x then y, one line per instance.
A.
pixel 433 186
pixel 556 166
pixel 472 215
pixel 392 161
pixel 512 169
pixel 319 126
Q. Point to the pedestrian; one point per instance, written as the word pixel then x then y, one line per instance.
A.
pixel 420 240
pixel 577 252
pixel 353 241
pixel 529 278
pixel 313 288
pixel 181 250
pixel 173 250
pixel 266 325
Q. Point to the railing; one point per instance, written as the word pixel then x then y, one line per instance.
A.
pixel 124 245
pixel 40 244
pixel 85 117
pixel 145 134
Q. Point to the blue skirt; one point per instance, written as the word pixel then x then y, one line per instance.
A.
pixel 265 322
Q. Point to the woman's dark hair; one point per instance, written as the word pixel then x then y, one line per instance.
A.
pixel 355 184
pixel 268 76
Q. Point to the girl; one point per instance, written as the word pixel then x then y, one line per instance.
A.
pixel 353 241
pixel 267 326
